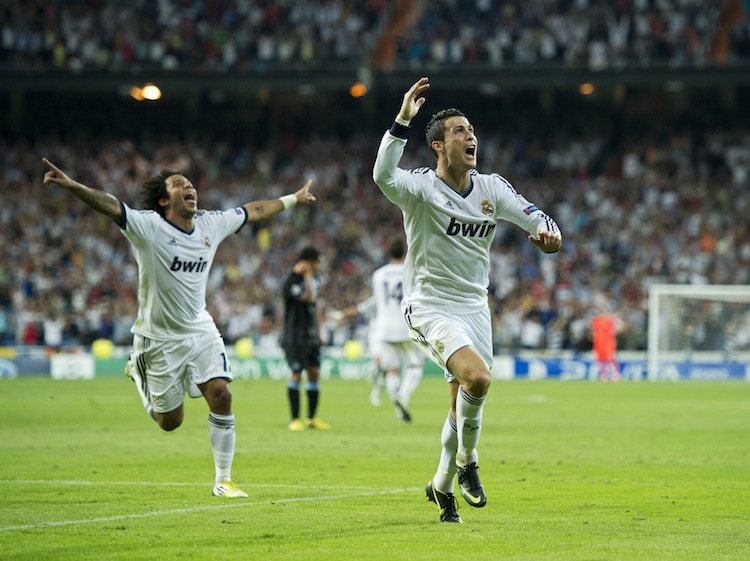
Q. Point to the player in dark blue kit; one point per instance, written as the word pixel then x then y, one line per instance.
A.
pixel 300 338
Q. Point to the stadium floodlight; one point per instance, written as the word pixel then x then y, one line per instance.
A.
pixel 698 331
pixel 149 92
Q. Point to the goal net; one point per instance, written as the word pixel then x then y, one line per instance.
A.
pixel 698 331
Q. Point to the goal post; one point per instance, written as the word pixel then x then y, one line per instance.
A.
pixel 698 331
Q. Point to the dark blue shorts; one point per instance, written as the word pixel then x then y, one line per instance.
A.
pixel 300 357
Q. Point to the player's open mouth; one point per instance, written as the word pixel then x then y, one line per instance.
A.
pixel 471 151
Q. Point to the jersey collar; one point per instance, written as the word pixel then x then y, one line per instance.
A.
pixel 180 228
pixel 465 193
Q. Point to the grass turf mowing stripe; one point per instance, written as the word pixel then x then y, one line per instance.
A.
pixel 234 504
pixel 175 484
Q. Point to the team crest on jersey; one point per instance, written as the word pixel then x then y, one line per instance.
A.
pixel 207 241
pixel 439 346
pixel 487 208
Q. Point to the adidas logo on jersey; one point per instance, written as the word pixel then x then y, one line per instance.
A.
pixel 188 266
pixel 456 228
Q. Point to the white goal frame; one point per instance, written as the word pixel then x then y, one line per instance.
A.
pixel 726 293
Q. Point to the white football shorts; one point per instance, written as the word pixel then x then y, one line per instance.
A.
pixel 395 356
pixel 440 334
pixel 169 367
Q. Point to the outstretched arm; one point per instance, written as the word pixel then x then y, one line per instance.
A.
pixel 102 202
pixel 260 210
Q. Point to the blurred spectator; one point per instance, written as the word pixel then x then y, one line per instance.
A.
pixel 187 35
pixel 262 35
pixel 585 33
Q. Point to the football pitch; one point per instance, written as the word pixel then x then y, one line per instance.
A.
pixel 573 471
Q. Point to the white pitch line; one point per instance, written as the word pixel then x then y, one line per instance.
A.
pixel 175 484
pixel 238 504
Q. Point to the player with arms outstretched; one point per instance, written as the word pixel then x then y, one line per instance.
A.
pixel 177 347
pixel 450 215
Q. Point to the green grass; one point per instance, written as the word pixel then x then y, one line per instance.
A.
pixel 573 471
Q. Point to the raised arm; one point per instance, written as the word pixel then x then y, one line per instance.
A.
pixel 412 101
pixel 305 269
pixel 260 210
pixel 100 201
pixel 392 145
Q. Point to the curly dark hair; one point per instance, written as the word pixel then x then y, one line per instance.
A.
pixel 436 127
pixel 154 189
pixel 309 254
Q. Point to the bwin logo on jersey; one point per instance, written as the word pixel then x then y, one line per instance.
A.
pixel 456 228
pixel 188 266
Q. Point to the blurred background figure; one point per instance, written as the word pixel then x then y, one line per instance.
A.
pixel 604 335
pixel 398 361
pixel 300 338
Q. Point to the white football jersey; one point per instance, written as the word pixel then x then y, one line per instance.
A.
pixel 173 268
pixel 388 290
pixel 449 234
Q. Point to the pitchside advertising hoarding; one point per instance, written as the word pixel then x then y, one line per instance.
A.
pixel 522 366
pixel 632 369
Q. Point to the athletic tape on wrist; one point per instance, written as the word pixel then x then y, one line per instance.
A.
pixel 288 201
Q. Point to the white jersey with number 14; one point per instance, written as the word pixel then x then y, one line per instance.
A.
pixel 388 289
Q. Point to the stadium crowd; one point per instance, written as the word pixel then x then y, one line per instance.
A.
pixel 259 35
pixel 196 35
pixel 658 202
pixel 668 204
pixel 582 33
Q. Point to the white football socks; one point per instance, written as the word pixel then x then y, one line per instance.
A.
pixel 409 383
pixel 392 385
pixel 221 434
pixel 469 426
pixel 446 471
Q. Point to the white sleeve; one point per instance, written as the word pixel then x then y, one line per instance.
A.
pixel 514 208
pixel 366 308
pixel 139 225
pixel 395 183
pixel 225 222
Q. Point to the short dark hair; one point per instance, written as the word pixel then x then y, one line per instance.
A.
pixel 436 127
pixel 397 248
pixel 309 254
pixel 154 189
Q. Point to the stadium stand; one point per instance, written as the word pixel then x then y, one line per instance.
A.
pixel 645 188
pixel 201 35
